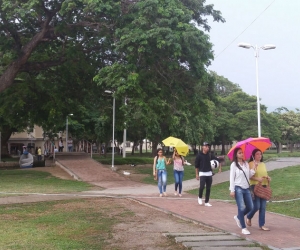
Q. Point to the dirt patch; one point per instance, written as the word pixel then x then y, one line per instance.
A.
pixel 142 227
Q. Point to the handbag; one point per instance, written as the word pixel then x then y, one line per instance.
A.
pixel 263 192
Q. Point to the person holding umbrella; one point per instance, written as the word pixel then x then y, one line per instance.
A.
pixel 240 173
pixel 261 175
pixel 160 171
pixel 178 171
pixel 204 172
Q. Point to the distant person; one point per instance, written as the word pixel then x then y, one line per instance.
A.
pixel 160 171
pixel 261 175
pixel 178 170
pixel 39 154
pixel 55 149
pixel 70 144
pixel 60 145
pixel 204 172
pixel 240 173
pixel 45 152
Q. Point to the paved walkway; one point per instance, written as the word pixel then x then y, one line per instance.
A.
pixel 284 232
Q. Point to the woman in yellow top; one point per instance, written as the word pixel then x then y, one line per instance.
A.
pixel 261 175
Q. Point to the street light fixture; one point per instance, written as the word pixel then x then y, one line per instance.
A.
pixel 256 54
pixel 113 139
pixel 67 131
pixel 124 135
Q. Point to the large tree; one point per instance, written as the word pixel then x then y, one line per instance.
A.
pixel 38 34
pixel 162 68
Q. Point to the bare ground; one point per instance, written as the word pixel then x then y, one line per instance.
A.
pixel 144 230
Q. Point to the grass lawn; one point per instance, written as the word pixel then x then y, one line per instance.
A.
pixel 27 181
pixel 71 224
pixel 285 185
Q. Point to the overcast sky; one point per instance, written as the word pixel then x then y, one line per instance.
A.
pixel 279 69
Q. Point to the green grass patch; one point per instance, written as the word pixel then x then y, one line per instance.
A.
pixel 72 224
pixel 31 181
pixel 10 159
pixel 189 173
pixel 123 161
pixel 133 159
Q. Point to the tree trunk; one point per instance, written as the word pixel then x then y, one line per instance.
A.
pixel 133 147
pixel 141 147
pixel 6 133
pixel 154 147
pixel 7 78
pixel 279 147
pixel 223 146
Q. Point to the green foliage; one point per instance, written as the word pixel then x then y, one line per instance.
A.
pixel 163 65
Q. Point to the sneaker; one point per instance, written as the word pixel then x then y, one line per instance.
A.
pixel 160 195
pixel 175 193
pixel 180 195
pixel 165 194
pixel 245 231
pixel 237 221
pixel 208 205
pixel 200 201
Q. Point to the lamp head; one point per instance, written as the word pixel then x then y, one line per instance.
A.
pixel 268 46
pixel 108 91
pixel 245 45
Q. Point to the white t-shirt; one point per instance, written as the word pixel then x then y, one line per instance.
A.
pixel 237 177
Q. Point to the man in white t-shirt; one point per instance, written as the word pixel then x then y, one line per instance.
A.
pixel 70 144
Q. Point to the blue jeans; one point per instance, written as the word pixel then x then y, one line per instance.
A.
pixel 244 203
pixel 70 148
pixel 259 204
pixel 162 180
pixel 178 176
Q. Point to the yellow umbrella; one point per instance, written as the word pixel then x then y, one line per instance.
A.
pixel 180 146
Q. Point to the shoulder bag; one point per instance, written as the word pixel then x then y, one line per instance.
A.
pixel 263 192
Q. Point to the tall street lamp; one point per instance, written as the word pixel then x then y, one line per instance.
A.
pixel 113 139
pixel 124 136
pixel 67 132
pixel 256 54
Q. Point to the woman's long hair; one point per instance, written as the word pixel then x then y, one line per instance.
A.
pixel 160 149
pixel 253 154
pixel 181 157
pixel 235 159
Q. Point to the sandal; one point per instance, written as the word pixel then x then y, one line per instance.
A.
pixel 248 222
pixel 264 228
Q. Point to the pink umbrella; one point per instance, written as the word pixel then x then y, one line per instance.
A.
pixel 248 145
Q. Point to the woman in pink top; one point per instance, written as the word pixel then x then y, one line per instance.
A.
pixel 178 171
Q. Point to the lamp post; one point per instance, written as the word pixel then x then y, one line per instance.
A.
pixel 256 54
pixel 124 136
pixel 67 132
pixel 113 135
